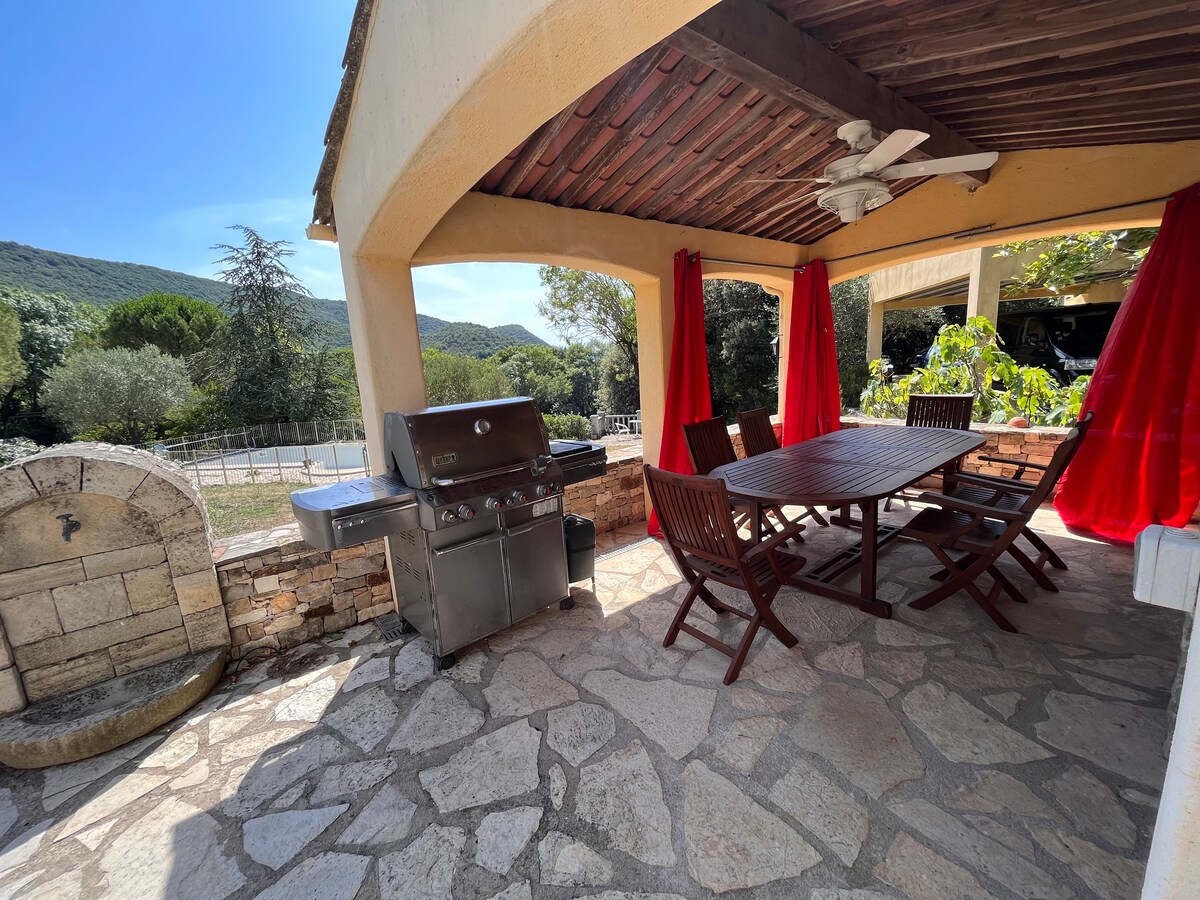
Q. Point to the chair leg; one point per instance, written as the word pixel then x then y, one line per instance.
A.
pixel 887 504
pixel 684 608
pixel 1009 588
pixel 1033 569
pixel 743 647
pixel 811 512
pixel 988 603
pixel 1042 547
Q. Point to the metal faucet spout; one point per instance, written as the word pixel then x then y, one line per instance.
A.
pixel 69 526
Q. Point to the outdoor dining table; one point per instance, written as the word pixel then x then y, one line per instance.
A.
pixel 852 467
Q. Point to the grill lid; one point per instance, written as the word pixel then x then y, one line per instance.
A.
pixel 447 444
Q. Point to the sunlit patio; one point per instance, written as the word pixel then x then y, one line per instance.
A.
pixel 929 755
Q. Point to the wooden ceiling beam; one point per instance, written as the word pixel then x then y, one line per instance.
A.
pixel 746 40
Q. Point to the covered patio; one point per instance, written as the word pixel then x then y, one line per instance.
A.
pixel 925 756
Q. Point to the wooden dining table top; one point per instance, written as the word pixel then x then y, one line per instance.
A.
pixel 848 466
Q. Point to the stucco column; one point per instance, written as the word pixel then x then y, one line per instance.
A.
pixel 655 320
pixel 387 347
pixel 874 331
pixel 983 294
pixel 785 338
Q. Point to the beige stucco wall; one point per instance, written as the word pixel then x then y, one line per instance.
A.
pixel 1024 186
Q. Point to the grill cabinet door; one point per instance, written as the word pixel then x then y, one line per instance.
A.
pixel 468 589
pixel 537 566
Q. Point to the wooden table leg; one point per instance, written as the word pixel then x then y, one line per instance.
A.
pixel 868 570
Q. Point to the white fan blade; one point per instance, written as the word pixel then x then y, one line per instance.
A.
pixel 783 180
pixel 972 162
pixel 794 200
pixel 890 149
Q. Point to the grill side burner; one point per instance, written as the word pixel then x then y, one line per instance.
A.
pixel 472 507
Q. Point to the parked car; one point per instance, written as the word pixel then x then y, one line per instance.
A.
pixel 1065 341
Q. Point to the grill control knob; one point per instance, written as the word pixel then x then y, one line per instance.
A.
pixel 493 503
pixel 449 516
pixel 465 512
pixel 517 497
pixel 544 490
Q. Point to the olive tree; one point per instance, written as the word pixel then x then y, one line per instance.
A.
pixel 121 394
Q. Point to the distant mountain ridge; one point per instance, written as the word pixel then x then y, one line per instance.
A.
pixel 102 282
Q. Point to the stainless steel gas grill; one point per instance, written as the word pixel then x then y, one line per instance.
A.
pixel 472 509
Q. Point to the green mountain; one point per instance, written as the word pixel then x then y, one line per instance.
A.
pixel 102 282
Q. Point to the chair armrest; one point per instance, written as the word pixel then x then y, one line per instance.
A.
pixel 980 510
pixel 773 542
pixel 1021 464
pixel 1008 485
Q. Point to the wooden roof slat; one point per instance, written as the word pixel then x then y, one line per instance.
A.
pixel 630 131
pixel 603 114
pixel 1105 46
pixel 704 96
pixel 681 141
pixel 756 121
pixel 747 41
pixel 533 150
pixel 688 197
pixel 708 129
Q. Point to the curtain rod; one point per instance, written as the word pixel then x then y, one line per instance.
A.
pixel 958 235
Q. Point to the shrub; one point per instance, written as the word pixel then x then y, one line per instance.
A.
pixel 968 359
pixel 568 427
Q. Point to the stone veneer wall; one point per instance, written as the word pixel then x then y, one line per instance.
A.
pixel 283 595
pixel 614 500
pixel 133 587
pixel 283 592
pixel 1030 444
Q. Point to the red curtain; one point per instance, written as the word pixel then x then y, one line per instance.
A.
pixel 812 397
pixel 1140 463
pixel 689 398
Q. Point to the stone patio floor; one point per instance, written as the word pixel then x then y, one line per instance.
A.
pixel 927 756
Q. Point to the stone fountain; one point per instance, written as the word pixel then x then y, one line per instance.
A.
pixel 111 620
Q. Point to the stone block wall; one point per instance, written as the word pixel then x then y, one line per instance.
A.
pixel 280 591
pixel 616 499
pixel 131 586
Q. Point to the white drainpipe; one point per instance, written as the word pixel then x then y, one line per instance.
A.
pixel 1167 573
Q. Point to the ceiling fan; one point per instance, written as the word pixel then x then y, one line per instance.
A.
pixel 858 183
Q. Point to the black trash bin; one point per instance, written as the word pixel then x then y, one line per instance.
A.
pixel 581 549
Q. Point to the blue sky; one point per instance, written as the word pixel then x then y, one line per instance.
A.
pixel 136 131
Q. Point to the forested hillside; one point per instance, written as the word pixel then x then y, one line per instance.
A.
pixel 102 282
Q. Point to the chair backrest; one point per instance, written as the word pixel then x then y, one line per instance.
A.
pixel 758 435
pixel 1058 464
pixel 940 410
pixel 695 515
pixel 708 445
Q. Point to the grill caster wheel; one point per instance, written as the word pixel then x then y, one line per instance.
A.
pixel 566 603
pixel 445 662
pixel 406 627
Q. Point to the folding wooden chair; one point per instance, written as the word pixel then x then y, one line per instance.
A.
pixel 708 447
pixel 939 411
pixel 1008 492
pixel 984 533
pixel 758 437
pixel 697 522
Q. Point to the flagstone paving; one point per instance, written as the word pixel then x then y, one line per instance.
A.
pixel 927 756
